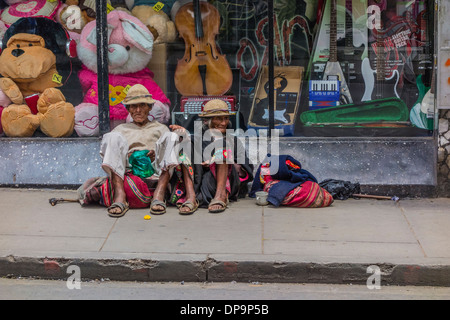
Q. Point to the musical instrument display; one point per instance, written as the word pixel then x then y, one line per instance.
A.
pixel 202 70
pixel 324 94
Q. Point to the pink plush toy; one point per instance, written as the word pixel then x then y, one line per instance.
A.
pixel 130 50
pixel 29 8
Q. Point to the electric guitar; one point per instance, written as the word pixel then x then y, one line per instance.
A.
pixel 427 106
pixel 377 85
pixel 351 56
pixel 333 69
pixel 279 114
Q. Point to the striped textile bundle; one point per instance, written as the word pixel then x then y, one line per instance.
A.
pixel 308 195
pixel 138 194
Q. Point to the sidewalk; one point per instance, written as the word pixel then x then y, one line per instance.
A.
pixel 407 240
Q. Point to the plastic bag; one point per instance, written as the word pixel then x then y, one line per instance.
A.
pixel 141 165
pixel 339 189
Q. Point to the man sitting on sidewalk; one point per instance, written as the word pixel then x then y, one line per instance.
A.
pixel 141 134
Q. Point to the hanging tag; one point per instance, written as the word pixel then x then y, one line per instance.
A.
pixel 158 6
pixel 126 89
pixel 56 78
pixel 109 8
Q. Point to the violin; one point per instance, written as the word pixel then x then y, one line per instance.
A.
pixel 203 70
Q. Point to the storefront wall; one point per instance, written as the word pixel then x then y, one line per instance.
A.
pixel 369 138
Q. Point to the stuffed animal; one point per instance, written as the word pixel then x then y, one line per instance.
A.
pixel 78 13
pixel 156 16
pixel 16 9
pixel 36 91
pixel 3 29
pixel 130 47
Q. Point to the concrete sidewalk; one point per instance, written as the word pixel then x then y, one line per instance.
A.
pixel 407 240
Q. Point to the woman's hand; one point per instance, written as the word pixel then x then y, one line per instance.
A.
pixel 177 129
pixel 151 155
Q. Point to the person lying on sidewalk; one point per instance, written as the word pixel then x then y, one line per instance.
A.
pixel 225 171
pixel 118 146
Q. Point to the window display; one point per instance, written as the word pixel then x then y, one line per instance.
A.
pixel 341 67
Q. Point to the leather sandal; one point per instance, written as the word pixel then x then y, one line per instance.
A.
pixel 158 203
pixel 191 206
pixel 124 207
pixel 215 202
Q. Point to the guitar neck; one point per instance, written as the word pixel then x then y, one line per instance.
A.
pixel 433 81
pixel 381 59
pixel 198 19
pixel 348 24
pixel 333 32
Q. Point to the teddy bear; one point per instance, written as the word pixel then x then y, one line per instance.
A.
pixel 156 16
pixel 130 46
pixel 34 96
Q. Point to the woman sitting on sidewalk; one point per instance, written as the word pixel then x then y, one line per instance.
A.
pixel 220 177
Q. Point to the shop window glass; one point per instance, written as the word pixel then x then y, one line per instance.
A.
pixel 381 50
pixel 362 39
pixel 39 85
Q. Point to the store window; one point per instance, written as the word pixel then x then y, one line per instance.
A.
pixel 340 67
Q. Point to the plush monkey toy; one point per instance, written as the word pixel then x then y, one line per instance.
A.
pixel 32 73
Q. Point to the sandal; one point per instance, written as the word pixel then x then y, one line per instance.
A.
pixel 158 203
pixel 191 206
pixel 215 202
pixel 124 207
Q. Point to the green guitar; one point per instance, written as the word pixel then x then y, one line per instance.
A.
pixel 418 117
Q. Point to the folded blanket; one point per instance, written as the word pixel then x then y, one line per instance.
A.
pixel 289 174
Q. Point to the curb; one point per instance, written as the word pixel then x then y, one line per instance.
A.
pixel 211 270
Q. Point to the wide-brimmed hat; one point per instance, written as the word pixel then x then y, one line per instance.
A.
pixel 215 108
pixel 138 94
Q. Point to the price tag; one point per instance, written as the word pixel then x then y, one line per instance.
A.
pixel 126 89
pixel 158 6
pixel 57 78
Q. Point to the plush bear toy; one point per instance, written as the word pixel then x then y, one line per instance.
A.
pixel 34 64
pixel 130 45
pixel 156 16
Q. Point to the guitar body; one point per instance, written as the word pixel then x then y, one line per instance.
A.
pixel 333 69
pixel 279 116
pixel 427 102
pixel 422 89
pixel 378 89
pixel 202 70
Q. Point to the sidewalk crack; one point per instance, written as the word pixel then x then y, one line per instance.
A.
pixel 262 231
pixel 412 230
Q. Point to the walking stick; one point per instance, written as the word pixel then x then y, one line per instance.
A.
pixel 396 199
pixel 55 201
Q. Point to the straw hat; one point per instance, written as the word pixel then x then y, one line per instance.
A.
pixel 215 108
pixel 138 94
